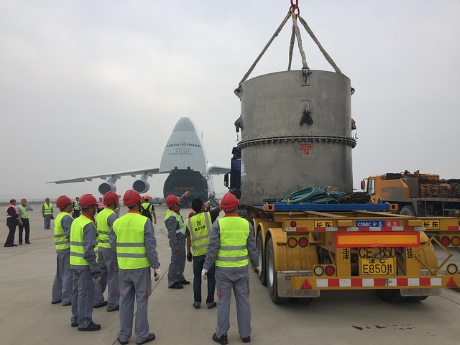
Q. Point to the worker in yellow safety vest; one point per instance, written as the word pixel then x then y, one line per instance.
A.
pixel 106 256
pixel 175 225
pixel 76 208
pixel 23 210
pixel 47 213
pixel 133 238
pixel 85 270
pixel 231 246
pixel 198 228
pixel 62 285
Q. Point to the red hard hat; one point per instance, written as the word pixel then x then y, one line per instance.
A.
pixel 131 197
pixel 110 197
pixel 63 201
pixel 171 200
pixel 47 199
pixel 87 200
pixel 229 202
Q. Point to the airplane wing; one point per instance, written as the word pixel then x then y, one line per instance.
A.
pixel 134 173
pixel 214 169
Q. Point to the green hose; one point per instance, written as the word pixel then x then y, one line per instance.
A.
pixel 313 195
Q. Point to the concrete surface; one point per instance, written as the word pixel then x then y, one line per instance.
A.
pixel 347 317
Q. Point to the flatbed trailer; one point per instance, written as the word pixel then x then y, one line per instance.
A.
pixel 307 248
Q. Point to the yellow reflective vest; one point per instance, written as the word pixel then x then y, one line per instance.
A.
pixel 130 245
pixel 76 207
pixel 60 240
pixel 77 248
pixel 103 228
pixel 199 226
pixel 48 209
pixel 24 211
pixel 233 251
pixel 180 220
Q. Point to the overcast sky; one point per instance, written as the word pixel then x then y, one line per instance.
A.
pixel 91 87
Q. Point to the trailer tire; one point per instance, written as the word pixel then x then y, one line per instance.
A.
pixel 408 210
pixel 390 295
pixel 260 249
pixel 272 279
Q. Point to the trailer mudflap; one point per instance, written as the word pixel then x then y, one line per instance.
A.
pixel 285 289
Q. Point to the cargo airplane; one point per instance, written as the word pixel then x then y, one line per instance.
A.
pixel 183 158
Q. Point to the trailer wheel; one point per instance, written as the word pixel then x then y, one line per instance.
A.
pixel 408 210
pixel 390 295
pixel 272 280
pixel 260 249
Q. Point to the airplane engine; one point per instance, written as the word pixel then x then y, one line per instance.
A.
pixel 107 187
pixel 141 186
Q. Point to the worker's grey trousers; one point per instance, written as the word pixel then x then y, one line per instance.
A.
pixel 62 285
pixel 137 284
pixel 82 296
pixel 236 279
pixel 47 221
pixel 177 265
pixel 107 261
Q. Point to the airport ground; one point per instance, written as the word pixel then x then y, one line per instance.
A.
pixel 347 317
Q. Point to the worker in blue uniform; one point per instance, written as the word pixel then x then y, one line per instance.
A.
pixel 133 238
pixel 231 246
pixel 106 256
pixel 85 270
pixel 62 285
pixel 175 225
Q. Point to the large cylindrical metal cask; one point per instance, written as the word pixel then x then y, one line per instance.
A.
pixel 295 132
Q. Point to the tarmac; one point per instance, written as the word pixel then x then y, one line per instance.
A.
pixel 28 317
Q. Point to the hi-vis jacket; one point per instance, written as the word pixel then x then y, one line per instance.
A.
pixel 231 243
pixel 62 225
pixel 83 242
pixel 199 226
pixel 104 220
pixel 176 227
pixel 132 237
pixel 47 209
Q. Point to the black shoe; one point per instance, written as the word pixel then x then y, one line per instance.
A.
pixel 150 338
pixel 122 342
pixel 113 309
pixel 176 286
pixel 212 305
pixel 8 245
pixel 28 243
pixel 92 327
pixel 184 282
pixel 56 302
pixel 246 340
pixel 103 304
pixel 197 305
pixel 74 324
pixel 66 304
pixel 222 340
pixel 15 245
pixel 20 243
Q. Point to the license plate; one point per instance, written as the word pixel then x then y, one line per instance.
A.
pixel 377 266
pixel 420 292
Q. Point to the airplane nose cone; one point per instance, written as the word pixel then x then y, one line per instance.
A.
pixel 184 125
